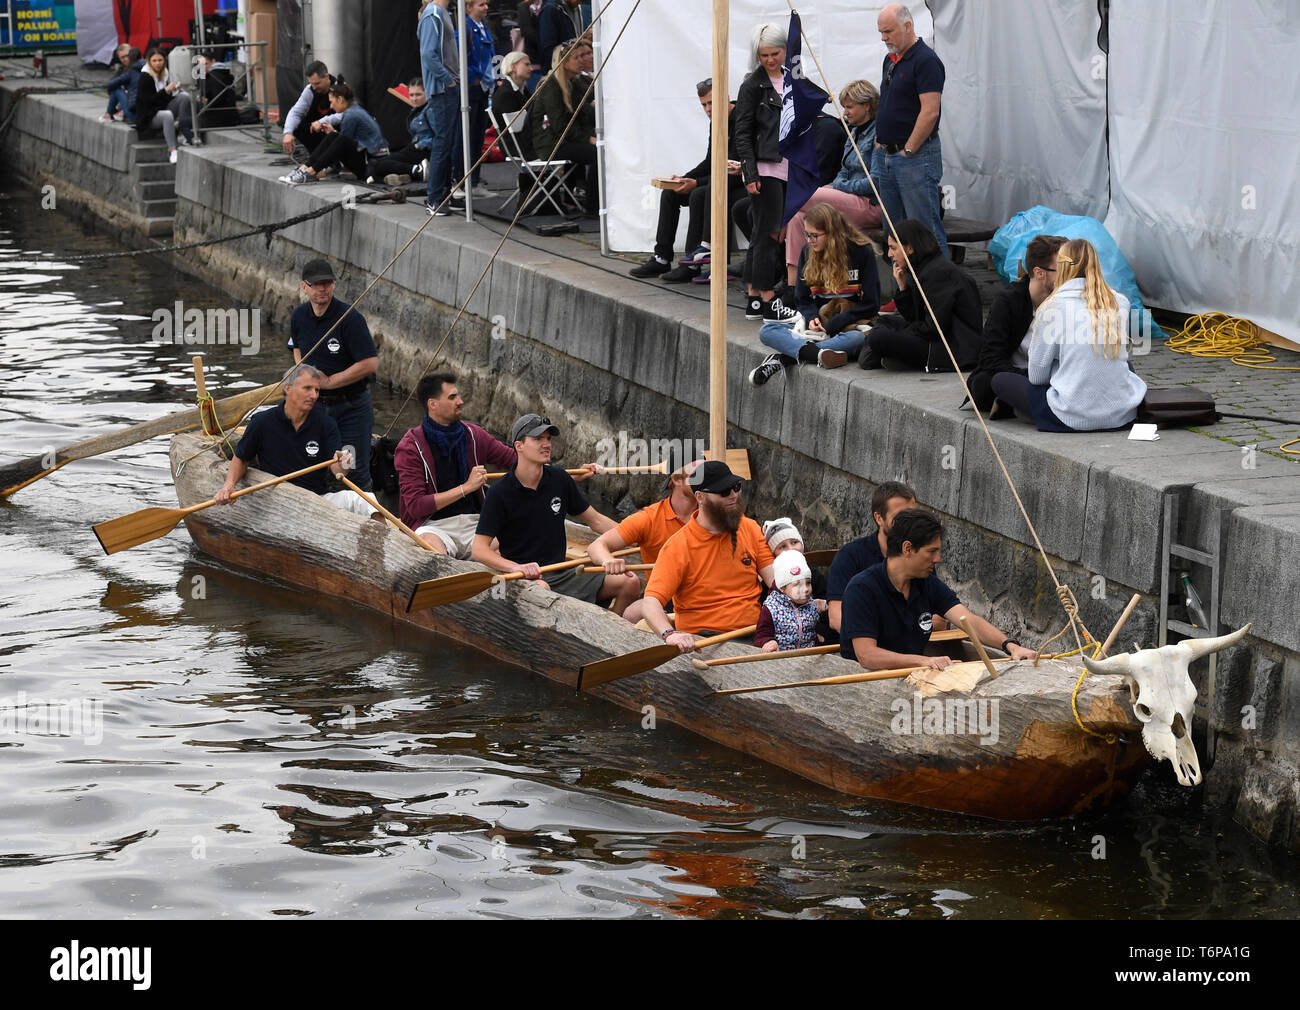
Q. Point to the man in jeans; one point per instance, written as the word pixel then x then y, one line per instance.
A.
pixel 907 162
pixel 438 57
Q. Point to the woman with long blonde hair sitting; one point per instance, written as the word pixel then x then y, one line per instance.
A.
pixel 1079 375
pixel 558 102
pixel 836 289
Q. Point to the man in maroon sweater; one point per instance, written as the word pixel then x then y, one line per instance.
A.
pixel 442 465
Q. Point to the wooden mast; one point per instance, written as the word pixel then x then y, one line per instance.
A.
pixel 718 237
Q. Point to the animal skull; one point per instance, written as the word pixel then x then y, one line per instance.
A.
pixel 1163 696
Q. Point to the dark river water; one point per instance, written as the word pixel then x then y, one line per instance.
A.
pixel 244 751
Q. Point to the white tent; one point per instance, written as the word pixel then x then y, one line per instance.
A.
pixel 1183 138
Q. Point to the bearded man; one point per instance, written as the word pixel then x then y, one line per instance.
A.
pixel 712 570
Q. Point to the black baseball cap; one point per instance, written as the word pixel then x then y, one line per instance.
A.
pixel 317 272
pixel 715 477
pixel 531 425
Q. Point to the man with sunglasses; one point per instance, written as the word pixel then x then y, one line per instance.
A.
pixel 525 511
pixel 712 570
pixel 907 163
pixel 692 191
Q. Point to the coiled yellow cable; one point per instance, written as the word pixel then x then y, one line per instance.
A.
pixel 1217 335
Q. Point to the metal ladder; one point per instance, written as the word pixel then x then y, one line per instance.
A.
pixel 1213 560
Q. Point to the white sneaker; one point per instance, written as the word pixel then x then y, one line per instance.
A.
pixel 172 157
pixel 481 192
pixel 421 171
pixel 458 193
pixel 295 178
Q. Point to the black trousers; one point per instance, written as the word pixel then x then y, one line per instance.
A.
pixel 398 163
pixel 764 262
pixel 584 158
pixel 699 217
pixel 339 150
pixel 306 138
pixel 895 338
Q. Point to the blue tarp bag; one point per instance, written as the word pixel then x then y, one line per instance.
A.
pixel 1007 249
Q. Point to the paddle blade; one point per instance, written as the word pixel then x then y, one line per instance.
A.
pixel 618 667
pixel 452 589
pixel 137 528
pixel 819 559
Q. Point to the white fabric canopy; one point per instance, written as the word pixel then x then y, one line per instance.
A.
pixel 653 122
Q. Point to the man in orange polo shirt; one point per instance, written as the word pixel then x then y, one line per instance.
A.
pixel 711 570
pixel 648 529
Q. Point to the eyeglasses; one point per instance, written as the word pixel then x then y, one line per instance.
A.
pixel 704 86
pixel 727 494
pixel 813 236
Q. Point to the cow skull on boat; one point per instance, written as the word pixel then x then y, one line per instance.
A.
pixel 1163 696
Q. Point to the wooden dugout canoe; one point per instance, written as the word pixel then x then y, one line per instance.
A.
pixel 872 740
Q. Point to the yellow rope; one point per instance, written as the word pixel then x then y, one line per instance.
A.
pixel 1217 335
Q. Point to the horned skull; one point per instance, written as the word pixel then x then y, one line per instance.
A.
pixel 1163 696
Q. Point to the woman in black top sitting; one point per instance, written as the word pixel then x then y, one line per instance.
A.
pixel 554 107
pixel 910 337
pixel 510 96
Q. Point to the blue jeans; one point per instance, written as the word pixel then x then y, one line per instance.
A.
pixel 356 420
pixel 909 187
pixel 117 100
pixel 782 338
pixel 442 112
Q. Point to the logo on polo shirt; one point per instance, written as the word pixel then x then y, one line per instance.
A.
pixel 312 448
pixel 333 346
pixel 926 622
pixel 556 505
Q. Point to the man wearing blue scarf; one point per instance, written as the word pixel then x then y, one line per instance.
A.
pixel 442 465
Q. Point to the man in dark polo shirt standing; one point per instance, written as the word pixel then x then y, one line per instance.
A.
pixel 525 512
pixel 855 557
pixel 347 357
pixel 888 610
pixel 907 162
pixel 293 436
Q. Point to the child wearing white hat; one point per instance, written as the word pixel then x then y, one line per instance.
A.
pixel 788 617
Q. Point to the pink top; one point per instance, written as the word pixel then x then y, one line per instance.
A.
pixel 775 169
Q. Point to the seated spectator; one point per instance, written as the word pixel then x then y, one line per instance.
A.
pixel 512 91
pixel 480 77
pixel 1079 376
pixel 411 162
pixel 558 22
pixel 160 103
pixel 353 138
pixel 764 171
pixel 549 115
pixel 1004 347
pixel 910 337
pixel 122 88
pixel 836 290
pixel 849 191
pixel 312 104
pixel 216 94
pixel 692 191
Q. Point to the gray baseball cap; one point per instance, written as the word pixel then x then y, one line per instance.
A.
pixel 531 425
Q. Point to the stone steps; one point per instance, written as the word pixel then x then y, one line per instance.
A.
pixel 154 179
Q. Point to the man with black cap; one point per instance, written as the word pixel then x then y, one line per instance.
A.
pixel 711 570
pixel 347 356
pixel 525 511
pixel 650 528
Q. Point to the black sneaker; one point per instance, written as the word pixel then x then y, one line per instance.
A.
pixel 753 307
pixel 679 275
pixel 776 311
pixel 772 365
pixel 808 353
pixel 652 267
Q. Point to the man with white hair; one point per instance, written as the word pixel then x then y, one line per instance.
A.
pixel 907 163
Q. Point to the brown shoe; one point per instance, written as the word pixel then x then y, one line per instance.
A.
pixel 831 359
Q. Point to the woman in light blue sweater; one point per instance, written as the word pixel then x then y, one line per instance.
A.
pixel 1079 375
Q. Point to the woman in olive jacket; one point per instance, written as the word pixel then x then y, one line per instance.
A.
pixel 558 101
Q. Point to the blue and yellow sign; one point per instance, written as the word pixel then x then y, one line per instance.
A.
pixel 31 24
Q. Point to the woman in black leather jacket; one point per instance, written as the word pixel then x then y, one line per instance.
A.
pixel 763 170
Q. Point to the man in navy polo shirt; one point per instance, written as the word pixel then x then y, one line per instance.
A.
pixel 347 357
pixel 907 162
pixel 525 512
pixel 888 610
pixel 889 499
pixel 292 436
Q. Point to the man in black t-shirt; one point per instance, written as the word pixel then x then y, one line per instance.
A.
pixel 888 610
pixel 293 436
pixel 857 556
pixel 525 512
pixel 347 357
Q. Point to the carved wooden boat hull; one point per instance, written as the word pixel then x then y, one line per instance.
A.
pixel 1009 750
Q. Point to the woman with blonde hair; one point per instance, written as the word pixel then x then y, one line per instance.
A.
pixel 160 102
pixel 1079 375
pixel 850 190
pixel 554 107
pixel 836 289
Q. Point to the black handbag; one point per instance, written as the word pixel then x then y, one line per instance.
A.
pixel 1177 407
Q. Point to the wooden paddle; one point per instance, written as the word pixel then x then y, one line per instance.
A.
pixel 819 559
pixel 397 523
pixel 618 667
pixel 149 524
pixel 230 411
pixel 759 657
pixel 845 678
pixel 660 468
pixel 454 588
pixel 629 568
